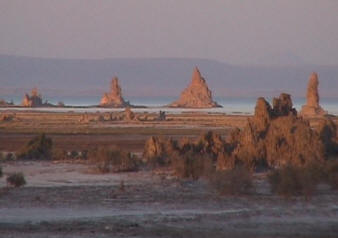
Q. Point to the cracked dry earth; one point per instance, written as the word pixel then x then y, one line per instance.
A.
pixel 65 200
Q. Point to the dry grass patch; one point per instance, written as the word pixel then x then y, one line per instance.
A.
pixel 39 148
pixel 112 159
pixel 237 181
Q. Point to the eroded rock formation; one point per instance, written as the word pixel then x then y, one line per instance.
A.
pixel 114 97
pixel 312 107
pixel 159 149
pixel 33 100
pixel 273 137
pixel 196 95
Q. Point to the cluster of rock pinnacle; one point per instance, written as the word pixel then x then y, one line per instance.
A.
pixel 196 95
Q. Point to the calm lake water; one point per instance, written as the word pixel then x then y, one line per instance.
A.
pixel 231 105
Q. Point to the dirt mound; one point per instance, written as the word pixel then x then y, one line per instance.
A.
pixel 114 97
pixel 196 95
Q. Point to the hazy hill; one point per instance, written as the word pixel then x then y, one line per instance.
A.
pixel 156 77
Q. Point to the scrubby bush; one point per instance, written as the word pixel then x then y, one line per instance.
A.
pixel 59 154
pixel 74 154
pixel 1 174
pixel 192 165
pixel 10 156
pixel 40 147
pixel 331 172
pixel 237 181
pixel 16 179
pixel 113 159
pixel 295 181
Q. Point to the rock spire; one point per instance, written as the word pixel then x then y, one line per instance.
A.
pixel 33 100
pixel 196 95
pixel 312 107
pixel 114 97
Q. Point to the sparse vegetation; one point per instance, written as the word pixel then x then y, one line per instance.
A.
pixel 59 154
pixel 40 147
pixel 9 156
pixel 331 172
pixel 16 180
pixel 113 159
pixel 192 165
pixel 237 181
pixel 294 181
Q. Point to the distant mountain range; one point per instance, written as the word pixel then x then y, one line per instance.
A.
pixel 156 77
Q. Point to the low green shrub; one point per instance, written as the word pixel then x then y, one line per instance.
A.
pixel 113 159
pixel 236 181
pixel 40 147
pixel 16 180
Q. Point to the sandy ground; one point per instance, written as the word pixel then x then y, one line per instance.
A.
pixel 67 200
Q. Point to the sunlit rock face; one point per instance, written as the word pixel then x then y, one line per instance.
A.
pixel 312 107
pixel 33 100
pixel 114 97
pixel 274 137
pixel 196 95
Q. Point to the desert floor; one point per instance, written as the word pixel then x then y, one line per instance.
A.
pixel 67 199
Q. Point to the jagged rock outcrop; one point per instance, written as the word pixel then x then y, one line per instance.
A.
pixel 33 100
pixel 114 97
pixel 275 137
pixel 312 107
pixel 196 95
pixel 159 150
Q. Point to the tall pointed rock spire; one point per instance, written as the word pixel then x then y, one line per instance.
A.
pixel 114 97
pixel 196 95
pixel 312 107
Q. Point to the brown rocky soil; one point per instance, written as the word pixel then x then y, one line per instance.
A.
pixel 64 200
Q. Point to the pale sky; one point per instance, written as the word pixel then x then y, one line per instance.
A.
pixel 233 31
